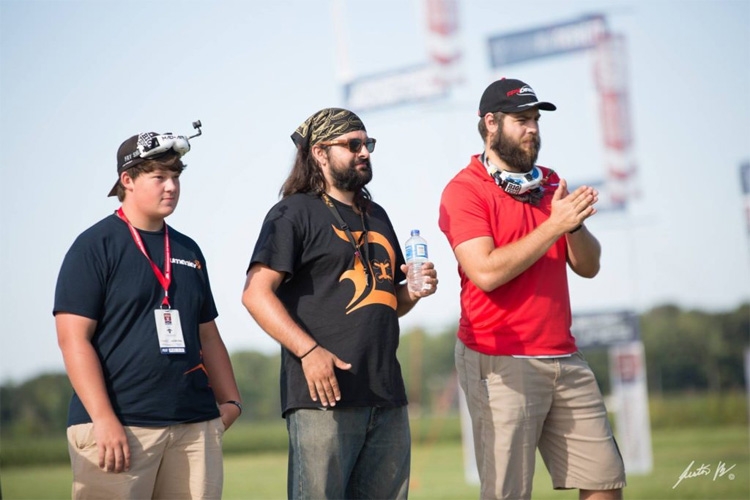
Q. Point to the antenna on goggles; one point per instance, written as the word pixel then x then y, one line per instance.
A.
pixel 196 125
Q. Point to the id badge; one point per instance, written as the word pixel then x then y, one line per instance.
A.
pixel 169 330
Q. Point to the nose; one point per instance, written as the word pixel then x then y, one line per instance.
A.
pixel 363 151
pixel 533 127
pixel 172 184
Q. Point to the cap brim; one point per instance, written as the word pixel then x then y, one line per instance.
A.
pixel 113 191
pixel 544 106
pixel 547 106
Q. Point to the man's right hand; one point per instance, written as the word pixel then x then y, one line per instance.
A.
pixel 318 367
pixel 114 452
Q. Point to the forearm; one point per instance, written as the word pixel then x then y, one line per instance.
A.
pixel 87 378
pixel 584 253
pixel 405 301
pixel 218 365
pixel 271 315
pixel 502 264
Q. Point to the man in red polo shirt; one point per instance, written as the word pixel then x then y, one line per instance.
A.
pixel 514 228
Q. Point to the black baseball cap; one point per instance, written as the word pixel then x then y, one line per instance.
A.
pixel 129 155
pixel 148 145
pixel 510 96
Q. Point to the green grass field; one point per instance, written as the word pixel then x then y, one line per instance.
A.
pixel 437 468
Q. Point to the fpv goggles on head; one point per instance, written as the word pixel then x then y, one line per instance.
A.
pixel 151 145
pixel 159 144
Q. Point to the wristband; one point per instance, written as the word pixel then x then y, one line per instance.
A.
pixel 576 229
pixel 311 350
pixel 235 403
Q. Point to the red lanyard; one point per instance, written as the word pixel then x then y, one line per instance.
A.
pixel 166 278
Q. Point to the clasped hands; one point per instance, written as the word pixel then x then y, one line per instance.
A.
pixel 570 210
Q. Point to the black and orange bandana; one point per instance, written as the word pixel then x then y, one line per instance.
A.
pixel 325 125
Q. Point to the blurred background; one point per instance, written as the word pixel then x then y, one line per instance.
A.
pixel 653 109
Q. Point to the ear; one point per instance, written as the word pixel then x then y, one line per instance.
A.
pixel 320 155
pixel 491 123
pixel 126 181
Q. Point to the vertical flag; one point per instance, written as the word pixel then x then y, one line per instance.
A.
pixel 745 181
pixel 611 78
pixel 443 46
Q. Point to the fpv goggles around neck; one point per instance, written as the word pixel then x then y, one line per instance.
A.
pixel 518 183
pixel 513 182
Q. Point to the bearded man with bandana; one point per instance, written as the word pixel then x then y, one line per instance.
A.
pixel 326 281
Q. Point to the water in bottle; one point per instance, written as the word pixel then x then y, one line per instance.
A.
pixel 416 254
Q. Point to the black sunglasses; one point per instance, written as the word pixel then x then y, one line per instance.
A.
pixel 354 145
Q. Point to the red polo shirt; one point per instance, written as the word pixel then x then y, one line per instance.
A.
pixel 529 315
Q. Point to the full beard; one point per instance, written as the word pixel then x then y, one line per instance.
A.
pixel 514 155
pixel 350 178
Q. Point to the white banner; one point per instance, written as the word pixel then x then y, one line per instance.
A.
pixel 546 41
pixel 408 85
pixel 467 437
pixel 627 366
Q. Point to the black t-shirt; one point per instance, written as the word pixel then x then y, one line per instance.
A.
pixel 325 292
pixel 105 277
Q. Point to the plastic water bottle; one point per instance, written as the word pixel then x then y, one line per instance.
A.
pixel 416 254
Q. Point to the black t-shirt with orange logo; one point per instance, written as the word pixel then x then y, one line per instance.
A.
pixel 327 293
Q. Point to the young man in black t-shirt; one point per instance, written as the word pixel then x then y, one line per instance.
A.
pixel 154 386
pixel 325 281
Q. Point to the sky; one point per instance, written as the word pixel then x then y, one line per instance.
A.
pixel 78 77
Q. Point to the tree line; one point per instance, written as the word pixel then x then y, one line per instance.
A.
pixel 686 350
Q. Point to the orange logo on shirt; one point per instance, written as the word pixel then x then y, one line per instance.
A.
pixel 381 270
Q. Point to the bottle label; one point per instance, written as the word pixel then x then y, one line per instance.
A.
pixel 418 251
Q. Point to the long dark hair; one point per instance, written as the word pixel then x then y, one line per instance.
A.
pixel 307 177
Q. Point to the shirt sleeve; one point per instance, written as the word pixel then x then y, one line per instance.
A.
pixel 81 283
pixel 278 242
pixel 463 214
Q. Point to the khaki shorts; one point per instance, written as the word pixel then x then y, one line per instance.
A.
pixel 519 404
pixel 179 461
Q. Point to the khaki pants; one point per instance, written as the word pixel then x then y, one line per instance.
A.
pixel 518 405
pixel 179 461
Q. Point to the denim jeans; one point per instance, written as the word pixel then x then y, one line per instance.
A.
pixel 349 453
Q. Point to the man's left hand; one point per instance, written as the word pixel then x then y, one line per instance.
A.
pixel 430 282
